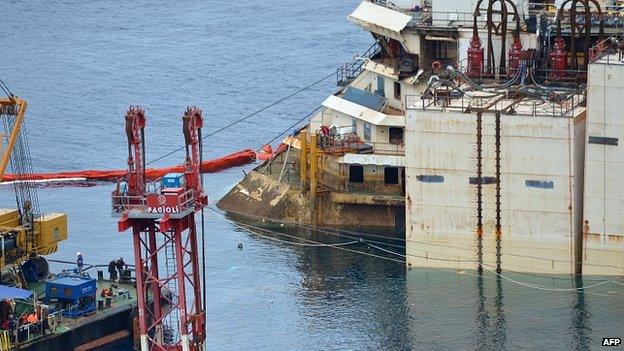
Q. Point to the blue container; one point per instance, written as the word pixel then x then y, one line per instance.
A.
pixel 173 180
pixel 75 291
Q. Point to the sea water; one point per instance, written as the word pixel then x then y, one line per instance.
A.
pixel 81 64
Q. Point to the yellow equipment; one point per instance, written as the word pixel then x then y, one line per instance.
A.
pixel 5 340
pixel 24 232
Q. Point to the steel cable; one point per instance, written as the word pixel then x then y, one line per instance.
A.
pixel 468 260
pixel 277 102
pixel 491 269
pixel 335 231
pixel 248 227
pixel 5 88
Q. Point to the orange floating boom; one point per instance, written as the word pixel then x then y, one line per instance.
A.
pixel 236 159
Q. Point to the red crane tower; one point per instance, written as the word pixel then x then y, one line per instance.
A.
pixel 162 219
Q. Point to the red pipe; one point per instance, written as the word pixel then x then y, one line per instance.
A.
pixel 236 159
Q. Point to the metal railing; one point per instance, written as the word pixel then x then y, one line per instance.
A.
pixel 605 49
pixel 121 202
pixel 24 333
pixel 530 107
pixel 186 199
pixel 426 17
pixel 351 143
pixel 339 144
pixel 28 332
pixel 346 73
pixel 387 148
pixel 542 75
pixel 124 202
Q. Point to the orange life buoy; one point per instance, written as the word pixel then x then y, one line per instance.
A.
pixel 436 65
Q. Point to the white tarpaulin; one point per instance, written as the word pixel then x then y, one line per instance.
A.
pixel 364 113
pixel 380 20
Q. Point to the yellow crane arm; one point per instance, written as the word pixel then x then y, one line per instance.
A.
pixel 33 233
pixel 20 105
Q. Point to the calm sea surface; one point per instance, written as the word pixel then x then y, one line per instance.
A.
pixel 80 64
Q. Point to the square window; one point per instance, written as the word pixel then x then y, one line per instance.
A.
pixel 367 131
pixel 381 83
pixel 397 90
pixel 391 175
pixel 396 136
pixel 356 174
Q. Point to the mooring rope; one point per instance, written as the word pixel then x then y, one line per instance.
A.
pixel 277 102
pixel 468 260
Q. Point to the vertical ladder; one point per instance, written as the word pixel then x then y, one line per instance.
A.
pixel 173 319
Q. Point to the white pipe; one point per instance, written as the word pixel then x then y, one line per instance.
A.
pixel 185 342
pixel 144 345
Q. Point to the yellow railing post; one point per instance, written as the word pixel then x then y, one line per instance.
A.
pixel 313 181
pixel 303 157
